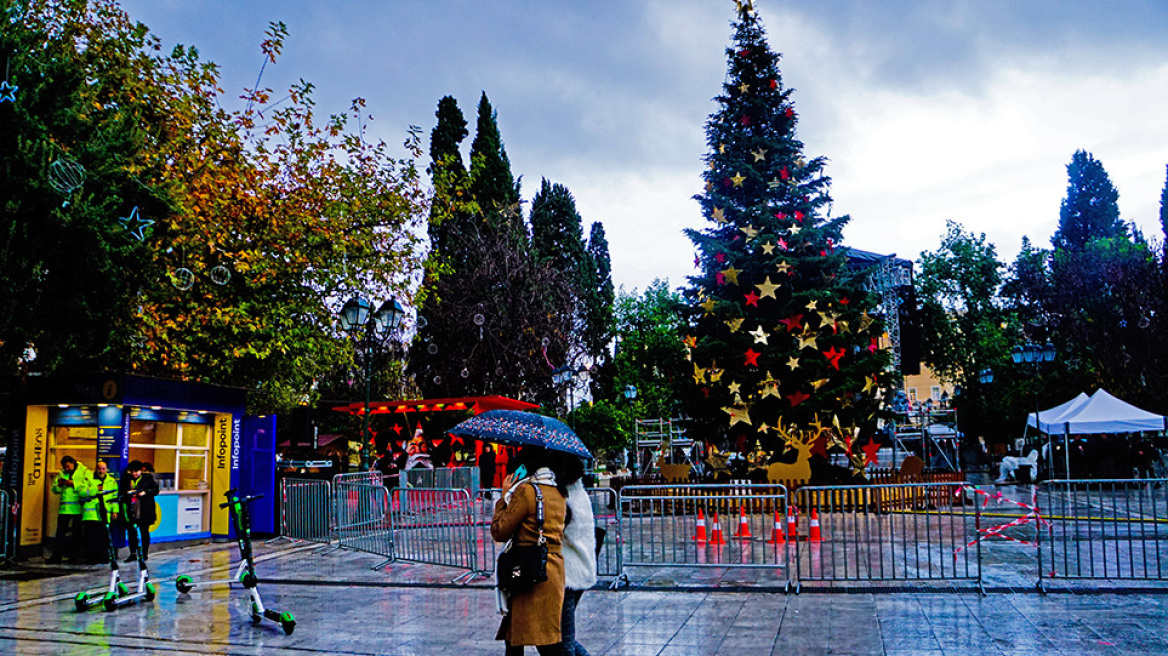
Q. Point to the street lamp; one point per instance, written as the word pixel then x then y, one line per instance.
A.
pixel 369 330
pixel 630 393
pixel 1036 354
pixel 563 375
pixel 985 376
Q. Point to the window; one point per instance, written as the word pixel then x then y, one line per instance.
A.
pixel 177 452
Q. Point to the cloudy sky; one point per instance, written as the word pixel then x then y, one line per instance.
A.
pixel 966 110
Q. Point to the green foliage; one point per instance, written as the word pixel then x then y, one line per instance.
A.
pixel 598 298
pixel 604 426
pixel 782 331
pixel 1091 208
pixel 650 355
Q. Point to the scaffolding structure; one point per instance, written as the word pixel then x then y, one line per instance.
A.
pixel 930 434
pixel 664 437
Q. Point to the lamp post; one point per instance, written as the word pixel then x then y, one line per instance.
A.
pixel 630 393
pixel 1036 354
pixel 369 329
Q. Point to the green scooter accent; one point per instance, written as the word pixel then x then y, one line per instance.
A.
pixel 116 588
pixel 146 590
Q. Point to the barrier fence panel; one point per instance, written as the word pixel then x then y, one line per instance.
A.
pixel 908 532
pixel 304 509
pixel 461 478
pixel 363 519
pixel 1104 529
pixel 604 510
pixel 729 526
pixel 435 526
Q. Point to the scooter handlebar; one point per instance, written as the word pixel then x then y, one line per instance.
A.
pixel 240 500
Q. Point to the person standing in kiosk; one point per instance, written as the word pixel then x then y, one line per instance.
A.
pixel 96 535
pixel 140 495
pixel 71 482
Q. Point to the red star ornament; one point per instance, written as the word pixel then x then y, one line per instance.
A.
pixel 697 260
pixel 752 357
pixel 780 215
pixel 789 113
pixel 397 428
pixel 819 446
pixel 870 453
pixel 752 298
pixel 833 356
pixel 727 182
pixel 873 346
pixel 844 300
pixel 720 257
pixel 799 216
pixel 745 119
pixel 720 278
pixel 784 174
pixel 793 323
pixel 797 398
pixel 774 84
pixel 783 244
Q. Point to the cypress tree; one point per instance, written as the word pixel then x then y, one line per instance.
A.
pixel 1091 207
pixel 492 185
pixel 1164 207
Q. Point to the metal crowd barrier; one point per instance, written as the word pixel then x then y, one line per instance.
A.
pixel 363 520
pixel 434 526
pixel 304 510
pixel 664 526
pixel 1103 529
pixel 464 478
pixel 604 510
pixel 909 532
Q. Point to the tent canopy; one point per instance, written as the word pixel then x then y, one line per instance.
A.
pixel 1099 413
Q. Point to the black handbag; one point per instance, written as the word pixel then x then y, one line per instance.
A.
pixel 520 567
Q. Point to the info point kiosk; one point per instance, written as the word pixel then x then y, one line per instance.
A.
pixel 196 437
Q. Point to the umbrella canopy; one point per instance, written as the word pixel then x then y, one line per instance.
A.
pixel 522 428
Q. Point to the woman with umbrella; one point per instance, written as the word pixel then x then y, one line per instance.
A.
pixel 534 614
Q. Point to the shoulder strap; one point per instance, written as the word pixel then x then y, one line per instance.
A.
pixel 539 511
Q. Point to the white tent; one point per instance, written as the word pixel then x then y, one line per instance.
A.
pixel 1052 416
pixel 1099 413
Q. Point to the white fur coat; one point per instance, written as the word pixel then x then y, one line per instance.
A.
pixel 579 547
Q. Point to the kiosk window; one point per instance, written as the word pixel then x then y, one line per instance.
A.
pixel 176 451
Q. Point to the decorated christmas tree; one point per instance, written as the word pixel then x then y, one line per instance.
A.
pixel 785 341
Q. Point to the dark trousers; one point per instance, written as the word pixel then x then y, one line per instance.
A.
pixel 569 646
pixel 69 537
pixel 96 542
pixel 544 650
pixel 132 531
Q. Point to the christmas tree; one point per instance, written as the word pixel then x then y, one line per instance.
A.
pixel 785 341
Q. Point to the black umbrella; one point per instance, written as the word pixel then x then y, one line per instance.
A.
pixel 522 428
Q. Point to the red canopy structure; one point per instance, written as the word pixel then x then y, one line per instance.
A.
pixel 476 404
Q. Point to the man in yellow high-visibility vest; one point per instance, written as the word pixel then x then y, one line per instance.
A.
pixel 96 535
pixel 71 482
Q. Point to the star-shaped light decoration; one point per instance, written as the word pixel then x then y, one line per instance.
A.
pixel 865 320
pixel 767 288
pixel 870 452
pixel 793 363
pixel 833 356
pixel 690 340
pixel 793 323
pixel 812 305
pixel 715 372
pixel 869 383
pixel 760 335
pixel 770 387
pixel 751 358
pixel 8 92
pixel 816 384
pixel 751 298
pixel 720 215
pixel 768 248
pixel 738 179
pixel 749 231
pixel 699 374
pixel 743 88
pixel 807 340
pixel 734 387
pixel 708 305
pixel 759 155
pixel 135 224
pixel 795 229
pixel 734 324
pixel 783 267
pixel 731 274
pixel 738 414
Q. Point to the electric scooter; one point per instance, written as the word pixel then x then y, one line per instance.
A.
pixel 245 575
pixel 146 590
pixel 86 600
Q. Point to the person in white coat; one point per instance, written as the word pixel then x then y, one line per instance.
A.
pixel 579 549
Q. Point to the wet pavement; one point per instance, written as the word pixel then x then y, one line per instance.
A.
pixel 342 606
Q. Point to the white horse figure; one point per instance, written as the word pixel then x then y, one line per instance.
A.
pixel 1011 463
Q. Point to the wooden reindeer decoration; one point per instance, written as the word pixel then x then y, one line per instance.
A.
pixel 800 470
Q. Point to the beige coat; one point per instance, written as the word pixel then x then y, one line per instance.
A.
pixel 535 614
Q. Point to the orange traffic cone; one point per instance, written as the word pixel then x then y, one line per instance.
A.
pixel 792 524
pixel 701 536
pixel 814 535
pixel 716 532
pixel 777 532
pixel 743 525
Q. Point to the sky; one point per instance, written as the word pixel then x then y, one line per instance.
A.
pixel 962 110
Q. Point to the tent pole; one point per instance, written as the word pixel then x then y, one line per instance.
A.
pixel 1067 447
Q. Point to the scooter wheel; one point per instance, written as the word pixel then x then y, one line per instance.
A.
pixel 110 603
pixel 183 584
pixel 248 580
pixel 151 592
pixel 256 616
pixel 287 622
pixel 81 601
